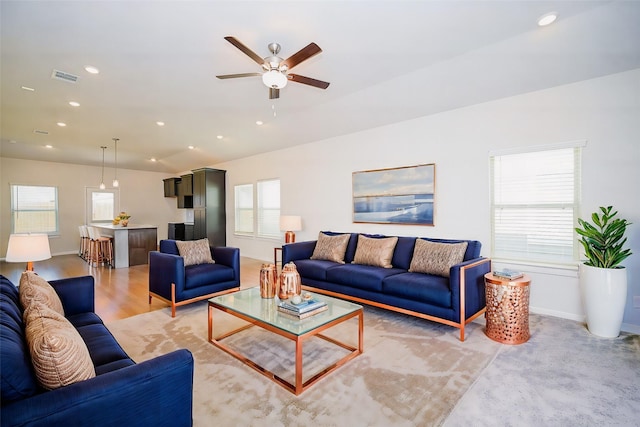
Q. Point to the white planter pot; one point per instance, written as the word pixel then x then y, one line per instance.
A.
pixel 604 293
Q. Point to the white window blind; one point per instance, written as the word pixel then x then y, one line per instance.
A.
pixel 535 204
pixel 244 209
pixel 269 208
pixel 34 209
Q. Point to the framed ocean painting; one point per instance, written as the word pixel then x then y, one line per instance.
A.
pixel 404 195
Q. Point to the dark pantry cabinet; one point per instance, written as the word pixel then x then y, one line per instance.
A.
pixel 209 216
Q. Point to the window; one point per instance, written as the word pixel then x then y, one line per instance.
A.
pixel 258 214
pixel 34 209
pixel 102 205
pixel 535 202
pixel 244 209
pixel 269 208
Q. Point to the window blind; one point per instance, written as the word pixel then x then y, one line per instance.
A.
pixel 34 209
pixel 244 209
pixel 269 208
pixel 535 202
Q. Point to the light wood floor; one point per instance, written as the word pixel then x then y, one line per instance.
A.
pixel 121 292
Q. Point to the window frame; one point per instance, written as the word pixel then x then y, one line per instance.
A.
pixel 260 229
pixel 15 210
pixel 568 256
pixel 238 209
pixel 89 204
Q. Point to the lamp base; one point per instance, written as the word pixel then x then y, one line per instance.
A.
pixel 289 237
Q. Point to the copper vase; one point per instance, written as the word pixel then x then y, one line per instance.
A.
pixel 268 281
pixel 290 282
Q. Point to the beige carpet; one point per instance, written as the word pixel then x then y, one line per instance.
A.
pixel 412 371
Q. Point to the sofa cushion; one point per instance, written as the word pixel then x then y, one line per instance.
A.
pixel 35 288
pixel 315 269
pixel 18 379
pixel 377 252
pixel 436 258
pixel 206 274
pixel 58 353
pixel 101 345
pixel 419 287
pixel 360 276
pixel 195 251
pixel 331 248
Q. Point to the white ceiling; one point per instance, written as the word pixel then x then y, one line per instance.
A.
pixel 387 61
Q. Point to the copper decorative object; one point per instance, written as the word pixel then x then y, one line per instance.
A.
pixel 290 282
pixel 507 309
pixel 268 281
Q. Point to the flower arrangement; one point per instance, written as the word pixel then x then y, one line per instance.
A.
pixel 122 219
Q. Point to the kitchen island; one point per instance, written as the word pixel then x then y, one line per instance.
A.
pixel 131 244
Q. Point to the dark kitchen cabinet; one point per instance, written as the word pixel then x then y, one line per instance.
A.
pixel 171 187
pixel 185 192
pixel 209 215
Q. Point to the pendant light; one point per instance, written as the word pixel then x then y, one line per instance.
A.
pixel 102 186
pixel 115 179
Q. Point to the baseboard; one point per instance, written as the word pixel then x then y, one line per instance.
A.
pixel 632 329
pixel 554 313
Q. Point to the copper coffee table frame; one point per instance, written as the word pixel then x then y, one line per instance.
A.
pixel 298 338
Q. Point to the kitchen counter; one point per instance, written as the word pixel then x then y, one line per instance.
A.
pixel 131 244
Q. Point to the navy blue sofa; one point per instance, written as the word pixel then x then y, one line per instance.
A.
pixel 157 392
pixel 455 300
pixel 175 284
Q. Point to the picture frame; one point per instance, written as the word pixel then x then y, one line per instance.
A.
pixel 402 195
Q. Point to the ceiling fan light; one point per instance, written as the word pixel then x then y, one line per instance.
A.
pixel 274 79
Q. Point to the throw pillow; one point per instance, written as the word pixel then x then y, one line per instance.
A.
pixel 195 251
pixel 58 354
pixel 35 288
pixel 436 258
pixel 331 248
pixel 376 252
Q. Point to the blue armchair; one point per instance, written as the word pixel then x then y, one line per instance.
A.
pixel 175 284
pixel 157 392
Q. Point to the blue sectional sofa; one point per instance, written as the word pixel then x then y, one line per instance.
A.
pixel 176 283
pixel 157 392
pixel 455 300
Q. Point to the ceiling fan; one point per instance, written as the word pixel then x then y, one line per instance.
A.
pixel 276 70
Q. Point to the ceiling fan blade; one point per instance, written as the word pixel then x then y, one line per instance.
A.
pixel 251 54
pixel 274 93
pixel 308 81
pixel 303 54
pixel 234 76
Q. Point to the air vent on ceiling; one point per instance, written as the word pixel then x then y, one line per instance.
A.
pixel 41 132
pixel 61 75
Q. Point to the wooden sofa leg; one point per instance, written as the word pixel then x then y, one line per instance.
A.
pixel 149 299
pixel 462 332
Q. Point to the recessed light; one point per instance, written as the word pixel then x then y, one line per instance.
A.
pixel 91 69
pixel 74 103
pixel 61 124
pixel 259 122
pixel 547 18
pixel 30 89
pixel 160 123
pixel 219 136
pixel 49 146
pixel 153 159
pixel 191 147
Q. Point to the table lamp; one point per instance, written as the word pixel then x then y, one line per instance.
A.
pixel 289 224
pixel 28 248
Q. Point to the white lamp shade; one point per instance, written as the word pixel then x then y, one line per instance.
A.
pixel 290 223
pixel 28 247
pixel 274 79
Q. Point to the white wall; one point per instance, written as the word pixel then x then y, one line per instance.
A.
pixel 141 195
pixel 316 177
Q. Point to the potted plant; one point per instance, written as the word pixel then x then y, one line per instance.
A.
pixel 603 281
pixel 123 219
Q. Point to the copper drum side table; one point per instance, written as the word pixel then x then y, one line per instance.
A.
pixel 507 312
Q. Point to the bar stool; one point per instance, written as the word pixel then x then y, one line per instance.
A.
pixel 83 252
pixel 100 248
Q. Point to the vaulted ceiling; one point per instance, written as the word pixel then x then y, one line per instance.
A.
pixel 387 61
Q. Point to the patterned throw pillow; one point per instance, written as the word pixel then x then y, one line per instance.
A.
pixel 331 248
pixel 436 258
pixel 34 288
pixel 58 354
pixel 195 252
pixel 376 252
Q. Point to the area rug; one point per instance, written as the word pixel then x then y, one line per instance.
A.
pixel 412 371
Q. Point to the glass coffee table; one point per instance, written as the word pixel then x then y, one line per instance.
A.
pixel 247 305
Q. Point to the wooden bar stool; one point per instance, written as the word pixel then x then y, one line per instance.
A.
pixel 83 252
pixel 100 248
